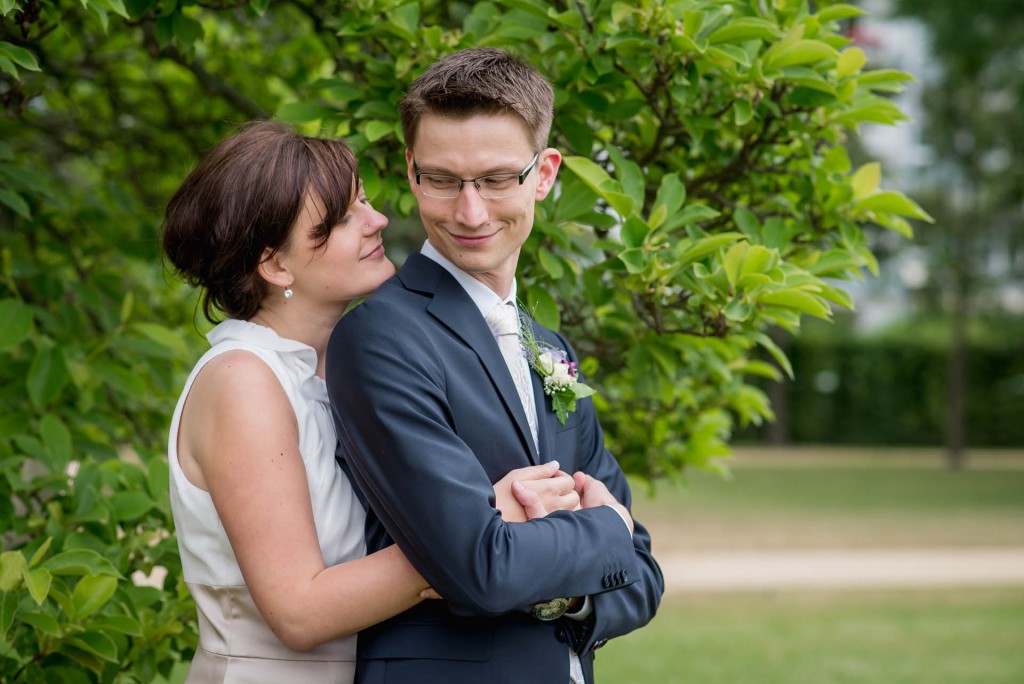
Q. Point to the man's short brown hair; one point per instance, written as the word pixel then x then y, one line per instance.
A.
pixel 480 81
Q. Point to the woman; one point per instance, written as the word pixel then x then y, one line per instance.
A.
pixel 276 229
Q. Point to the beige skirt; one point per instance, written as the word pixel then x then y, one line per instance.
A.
pixel 237 647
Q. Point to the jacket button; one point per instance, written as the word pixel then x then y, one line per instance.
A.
pixel 560 635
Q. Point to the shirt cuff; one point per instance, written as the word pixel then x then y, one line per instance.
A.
pixel 584 612
pixel 622 517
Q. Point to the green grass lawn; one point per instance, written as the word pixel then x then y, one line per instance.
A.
pixel 855 499
pixel 833 499
pixel 966 636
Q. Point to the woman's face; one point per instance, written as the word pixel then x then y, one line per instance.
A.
pixel 350 264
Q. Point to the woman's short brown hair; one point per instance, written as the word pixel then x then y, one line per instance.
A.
pixel 242 200
pixel 479 81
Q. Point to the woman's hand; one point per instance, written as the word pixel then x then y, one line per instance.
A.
pixel 535 491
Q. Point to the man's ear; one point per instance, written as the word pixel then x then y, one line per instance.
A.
pixel 274 268
pixel 409 172
pixel 547 170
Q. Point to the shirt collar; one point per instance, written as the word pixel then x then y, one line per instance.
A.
pixel 483 296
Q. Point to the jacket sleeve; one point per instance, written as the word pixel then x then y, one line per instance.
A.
pixel 386 382
pixel 631 606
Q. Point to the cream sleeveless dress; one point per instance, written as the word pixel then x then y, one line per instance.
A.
pixel 235 644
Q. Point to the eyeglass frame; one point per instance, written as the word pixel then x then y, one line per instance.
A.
pixel 462 181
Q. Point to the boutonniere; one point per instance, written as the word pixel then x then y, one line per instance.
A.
pixel 556 370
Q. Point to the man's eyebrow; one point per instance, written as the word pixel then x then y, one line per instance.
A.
pixel 442 171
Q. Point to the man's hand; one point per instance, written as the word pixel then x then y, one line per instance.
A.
pixel 535 491
pixel 593 493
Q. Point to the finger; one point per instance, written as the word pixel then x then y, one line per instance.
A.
pixel 529 500
pixel 537 472
pixel 579 481
pixel 429 593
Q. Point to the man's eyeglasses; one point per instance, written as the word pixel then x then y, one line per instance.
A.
pixel 493 186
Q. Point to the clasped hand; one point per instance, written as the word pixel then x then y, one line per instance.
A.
pixel 539 490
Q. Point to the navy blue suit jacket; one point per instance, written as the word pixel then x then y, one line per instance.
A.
pixel 428 419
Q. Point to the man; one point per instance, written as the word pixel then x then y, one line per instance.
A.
pixel 429 412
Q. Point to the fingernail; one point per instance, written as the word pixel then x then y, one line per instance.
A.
pixel 552 464
pixel 517 485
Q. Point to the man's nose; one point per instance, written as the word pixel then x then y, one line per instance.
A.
pixel 470 207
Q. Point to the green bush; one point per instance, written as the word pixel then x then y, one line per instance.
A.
pixel 706 196
pixel 893 392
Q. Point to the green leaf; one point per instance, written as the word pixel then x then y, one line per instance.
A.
pixel 896 203
pixel 598 180
pixel 130 505
pixel 158 478
pixel 17 324
pixel 634 232
pixel 117 6
pixel 732 262
pixel 38 582
pixel 122 624
pixel 19 55
pixel 6 6
pixel 47 375
pixel 747 221
pixel 40 553
pixel 171 340
pixel 798 301
pixel 550 263
pixel 780 356
pixel 802 52
pixel 56 438
pixel 729 53
pixel 743 112
pixel 694 213
pixel 15 202
pixel 259 6
pixel 375 130
pixel 629 175
pixel 543 308
pixel 850 62
pixel 91 593
pixel 301 112
pixel 95 643
pixel 883 77
pixel 705 246
pixel 635 260
pixel 671 193
pixel 7 66
pixel 41 622
pixel 693 21
pixel 186 29
pixel 80 561
pixel 743 29
pixel 837 12
pixel 8 607
pixel 12 569
pixel 866 180
pixel 592 174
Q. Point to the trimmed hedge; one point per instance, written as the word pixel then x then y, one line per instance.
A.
pixel 893 392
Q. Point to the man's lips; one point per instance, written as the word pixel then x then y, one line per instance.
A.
pixel 472 240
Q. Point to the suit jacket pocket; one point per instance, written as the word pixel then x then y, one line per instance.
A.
pixel 430 641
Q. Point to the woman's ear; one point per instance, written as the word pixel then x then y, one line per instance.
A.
pixel 274 269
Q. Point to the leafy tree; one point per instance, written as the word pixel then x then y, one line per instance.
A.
pixel 707 198
pixel 972 123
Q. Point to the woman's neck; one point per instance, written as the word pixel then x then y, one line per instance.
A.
pixel 293 321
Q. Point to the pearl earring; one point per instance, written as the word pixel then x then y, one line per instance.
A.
pixel 288 293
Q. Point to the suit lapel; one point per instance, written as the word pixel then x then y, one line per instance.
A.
pixel 455 309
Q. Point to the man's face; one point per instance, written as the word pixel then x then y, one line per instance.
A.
pixel 481 236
